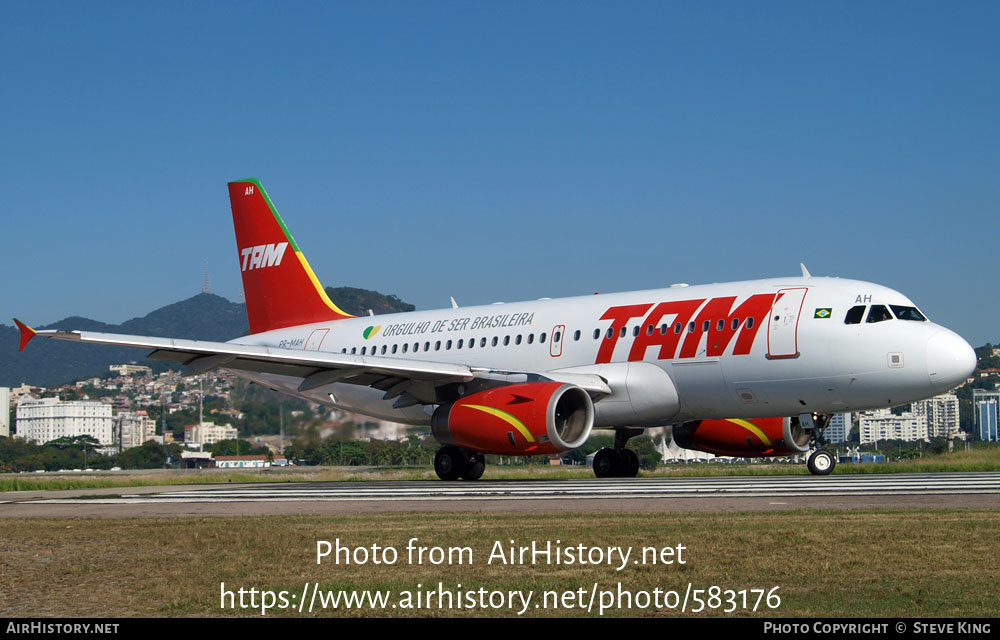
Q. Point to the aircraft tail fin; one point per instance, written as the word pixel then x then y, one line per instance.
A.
pixel 280 287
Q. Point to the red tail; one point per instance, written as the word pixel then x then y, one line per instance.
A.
pixel 281 289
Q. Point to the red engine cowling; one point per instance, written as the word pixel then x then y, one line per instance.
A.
pixel 744 438
pixel 518 419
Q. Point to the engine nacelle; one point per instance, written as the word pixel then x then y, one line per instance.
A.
pixel 744 438
pixel 518 419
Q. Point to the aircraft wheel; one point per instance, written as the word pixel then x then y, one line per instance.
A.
pixel 449 463
pixel 629 464
pixel 476 468
pixel 821 462
pixel 605 463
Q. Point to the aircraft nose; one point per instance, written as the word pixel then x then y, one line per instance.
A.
pixel 950 360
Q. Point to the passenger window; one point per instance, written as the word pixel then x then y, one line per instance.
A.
pixel 447 346
pixel 531 338
pixel 749 324
pixel 597 334
pixel 611 333
pixel 495 341
pixel 541 338
pixel 663 329
pixel 649 330
pixel 576 335
pixel 690 327
pixel 557 336
pixel 517 340
pixel 506 340
pixel 635 331
pixel 736 324
pixel 383 349
pixel 394 348
pixel 878 313
pixel 405 345
pixel 720 325
pixel 482 343
pixel 624 332
pixel 704 326
pixel 854 314
pixel 461 341
pixel 678 327
pixel 907 313
pixel 437 346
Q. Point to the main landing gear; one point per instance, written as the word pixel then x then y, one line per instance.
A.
pixel 618 462
pixel 452 463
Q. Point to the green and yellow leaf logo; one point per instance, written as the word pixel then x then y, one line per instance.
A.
pixel 371 331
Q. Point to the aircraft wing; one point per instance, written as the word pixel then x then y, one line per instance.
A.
pixel 411 381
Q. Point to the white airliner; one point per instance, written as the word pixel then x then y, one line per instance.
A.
pixel 751 368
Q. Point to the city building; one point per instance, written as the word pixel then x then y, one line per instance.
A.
pixel 48 419
pixel 130 369
pixel 838 429
pixel 134 428
pixel 941 413
pixel 883 424
pixel 5 411
pixel 208 433
pixel 985 410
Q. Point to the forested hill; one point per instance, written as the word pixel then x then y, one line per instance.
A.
pixel 203 317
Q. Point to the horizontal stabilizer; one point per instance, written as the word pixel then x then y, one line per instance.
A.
pixel 27 333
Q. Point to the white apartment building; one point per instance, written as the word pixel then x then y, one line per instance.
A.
pixel 48 419
pixel 942 415
pixel 5 411
pixel 134 428
pixel 883 424
pixel 208 433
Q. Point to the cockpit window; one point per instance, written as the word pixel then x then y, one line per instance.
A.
pixel 907 313
pixel 855 314
pixel 878 313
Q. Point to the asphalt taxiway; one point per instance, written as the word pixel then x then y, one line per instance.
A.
pixel 740 493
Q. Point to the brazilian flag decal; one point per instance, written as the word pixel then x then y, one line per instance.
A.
pixel 823 313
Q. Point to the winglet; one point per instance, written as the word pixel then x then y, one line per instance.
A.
pixel 805 272
pixel 27 333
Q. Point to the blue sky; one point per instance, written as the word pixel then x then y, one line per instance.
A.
pixel 501 150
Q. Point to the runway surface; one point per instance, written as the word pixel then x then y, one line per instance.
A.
pixel 941 490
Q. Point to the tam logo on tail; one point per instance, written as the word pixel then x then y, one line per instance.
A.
pixel 263 255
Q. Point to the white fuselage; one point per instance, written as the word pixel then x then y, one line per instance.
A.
pixel 652 347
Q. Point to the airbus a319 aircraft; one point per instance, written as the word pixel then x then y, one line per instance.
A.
pixel 745 369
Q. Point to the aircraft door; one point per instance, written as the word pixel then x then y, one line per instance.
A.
pixel 783 323
pixel 316 339
pixel 556 340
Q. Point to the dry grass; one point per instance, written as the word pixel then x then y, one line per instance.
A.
pixel 883 564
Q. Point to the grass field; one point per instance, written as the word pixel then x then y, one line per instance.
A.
pixel 980 459
pixel 907 563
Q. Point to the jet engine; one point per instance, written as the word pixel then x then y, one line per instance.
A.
pixel 744 438
pixel 519 419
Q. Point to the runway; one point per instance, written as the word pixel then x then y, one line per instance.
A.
pixel 940 490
